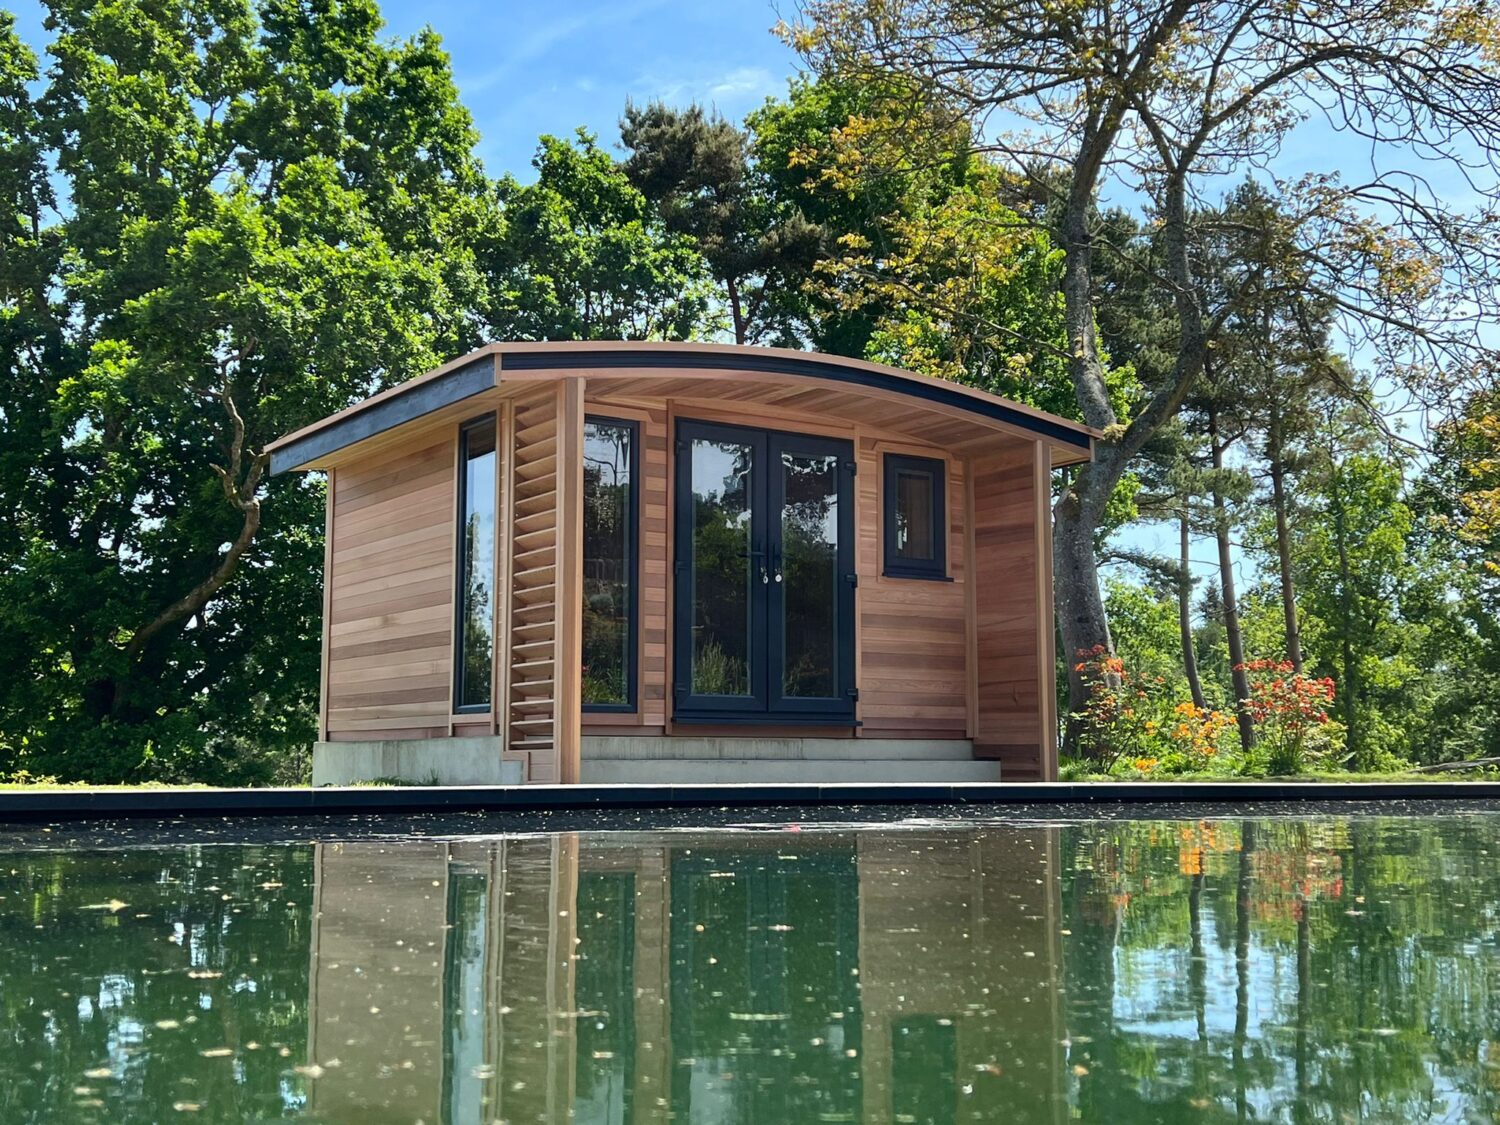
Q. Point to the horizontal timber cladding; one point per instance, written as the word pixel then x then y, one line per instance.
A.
pixel 390 595
pixel 1013 567
pixel 912 635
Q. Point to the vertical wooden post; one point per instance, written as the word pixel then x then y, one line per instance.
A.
pixel 505 442
pixel 1046 641
pixel 567 671
pixel 327 605
pixel 971 609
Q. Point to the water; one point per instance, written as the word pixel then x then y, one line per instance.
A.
pixel 1300 970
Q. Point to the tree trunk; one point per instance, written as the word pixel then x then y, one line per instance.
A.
pixel 1239 677
pixel 1275 457
pixel 1081 620
pixel 1350 687
pixel 736 314
pixel 1079 511
pixel 1185 609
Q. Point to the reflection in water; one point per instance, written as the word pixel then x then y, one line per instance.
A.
pixel 1291 970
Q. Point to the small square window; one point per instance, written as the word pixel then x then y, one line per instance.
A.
pixel 915 518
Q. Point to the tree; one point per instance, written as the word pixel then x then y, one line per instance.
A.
pixel 912 260
pixel 262 214
pixel 1161 99
pixel 581 255
pixel 695 168
pixel 1352 552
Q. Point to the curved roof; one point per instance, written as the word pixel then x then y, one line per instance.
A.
pixel 486 369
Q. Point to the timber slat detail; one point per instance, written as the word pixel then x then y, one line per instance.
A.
pixel 530 708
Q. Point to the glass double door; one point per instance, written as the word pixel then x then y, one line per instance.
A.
pixel 764 606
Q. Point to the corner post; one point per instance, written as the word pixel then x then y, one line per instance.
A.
pixel 567 669
pixel 1046 640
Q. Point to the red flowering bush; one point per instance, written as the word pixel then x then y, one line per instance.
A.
pixel 1290 712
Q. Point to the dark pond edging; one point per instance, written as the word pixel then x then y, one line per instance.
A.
pixel 76 804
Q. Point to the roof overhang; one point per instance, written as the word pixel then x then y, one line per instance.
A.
pixel 485 370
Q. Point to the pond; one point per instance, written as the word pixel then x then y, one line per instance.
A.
pixel 1323 968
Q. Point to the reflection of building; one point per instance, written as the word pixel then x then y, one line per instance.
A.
pixel 909 977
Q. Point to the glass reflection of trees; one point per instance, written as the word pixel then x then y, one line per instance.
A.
pixel 608 562
pixel 476 642
pixel 809 530
pixel 722 633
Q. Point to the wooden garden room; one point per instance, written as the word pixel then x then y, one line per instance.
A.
pixel 649 562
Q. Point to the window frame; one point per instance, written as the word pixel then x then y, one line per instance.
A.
pixel 461 568
pixel 934 569
pixel 631 704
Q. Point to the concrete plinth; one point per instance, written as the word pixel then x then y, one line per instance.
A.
pixel 695 759
pixel 416 761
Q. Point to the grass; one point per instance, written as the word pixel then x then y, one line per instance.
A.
pixel 1328 776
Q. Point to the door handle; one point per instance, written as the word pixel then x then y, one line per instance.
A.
pixel 758 556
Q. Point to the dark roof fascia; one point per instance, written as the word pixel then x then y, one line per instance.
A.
pixel 404 406
pixel 547 360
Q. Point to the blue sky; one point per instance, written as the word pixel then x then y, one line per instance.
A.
pixel 527 67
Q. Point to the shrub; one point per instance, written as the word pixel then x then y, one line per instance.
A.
pixel 1132 725
pixel 1290 713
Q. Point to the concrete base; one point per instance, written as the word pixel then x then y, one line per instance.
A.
pixel 688 760
pixel 416 761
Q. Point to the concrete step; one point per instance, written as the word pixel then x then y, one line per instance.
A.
pixel 686 747
pixel 690 771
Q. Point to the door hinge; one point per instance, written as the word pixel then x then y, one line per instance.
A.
pixel 853 693
pixel 852 579
pixel 852 468
pixel 680 566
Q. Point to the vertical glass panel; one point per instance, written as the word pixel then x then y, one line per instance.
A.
pixel 476 643
pixel 465 1005
pixel 608 562
pixel 809 574
pixel 914 531
pixel 722 567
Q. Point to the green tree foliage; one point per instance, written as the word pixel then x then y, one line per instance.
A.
pixel 582 255
pixel 1164 101
pixel 696 169
pixel 1354 555
pixel 264 213
pixel 918 256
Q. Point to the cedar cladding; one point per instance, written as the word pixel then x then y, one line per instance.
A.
pixel 390 600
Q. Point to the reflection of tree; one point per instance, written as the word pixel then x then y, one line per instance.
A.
pixel 809 529
pixel 721 546
pixel 606 562
pixel 479 571
pixel 148 963
pixel 1358 959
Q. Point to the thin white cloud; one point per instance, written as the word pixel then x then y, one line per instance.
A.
pixel 729 90
pixel 540 41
